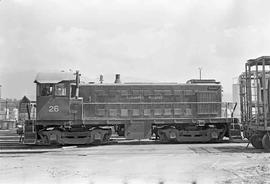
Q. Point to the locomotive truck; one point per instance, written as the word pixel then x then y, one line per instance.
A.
pixel 70 112
pixel 255 101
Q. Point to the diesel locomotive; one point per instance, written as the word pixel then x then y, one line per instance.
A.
pixel 70 112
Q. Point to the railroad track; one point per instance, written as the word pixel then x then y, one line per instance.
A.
pixel 9 139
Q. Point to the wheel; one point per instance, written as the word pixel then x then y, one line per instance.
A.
pixel 96 142
pixel 163 137
pixel 266 142
pixel 256 141
pixel 106 138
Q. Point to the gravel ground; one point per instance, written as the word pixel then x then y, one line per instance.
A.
pixel 137 163
pixel 132 162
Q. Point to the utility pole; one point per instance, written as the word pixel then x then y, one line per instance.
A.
pixel 200 69
pixel 0 99
pixel 6 110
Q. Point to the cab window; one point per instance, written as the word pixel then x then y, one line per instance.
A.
pixel 60 90
pixel 46 89
pixel 73 91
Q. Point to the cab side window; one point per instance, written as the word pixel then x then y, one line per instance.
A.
pixel 46 89
pixel 60 90
pixel 73 91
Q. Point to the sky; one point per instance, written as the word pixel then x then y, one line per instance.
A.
pixel 153 40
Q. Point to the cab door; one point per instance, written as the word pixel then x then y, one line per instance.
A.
pixel 76 105
pixel 53 101
pixel 76 109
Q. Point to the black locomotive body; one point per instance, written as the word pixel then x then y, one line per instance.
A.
pixel 73 113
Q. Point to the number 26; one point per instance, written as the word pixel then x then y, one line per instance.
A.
pixel 54 108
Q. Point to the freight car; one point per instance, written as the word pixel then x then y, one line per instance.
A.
pixel 255 101
pixel 70 112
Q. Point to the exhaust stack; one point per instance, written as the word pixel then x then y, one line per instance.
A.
pixel 117 79
pixel 101 79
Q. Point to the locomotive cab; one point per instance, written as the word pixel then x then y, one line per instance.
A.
pixel 57 102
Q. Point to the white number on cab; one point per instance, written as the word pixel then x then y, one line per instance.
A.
pixel 54 108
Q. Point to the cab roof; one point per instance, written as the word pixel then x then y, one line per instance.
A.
pixel 54 77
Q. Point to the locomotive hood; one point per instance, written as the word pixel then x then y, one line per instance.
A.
pixel 54 77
